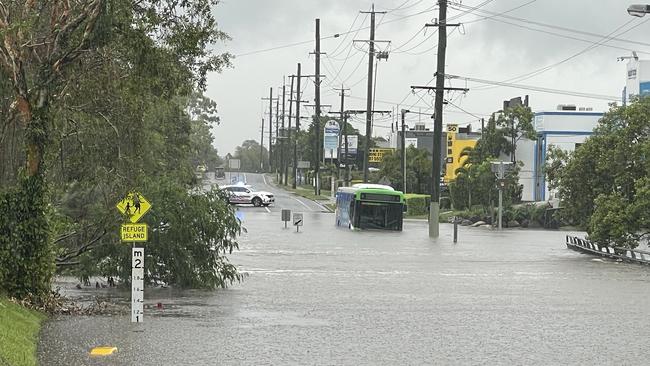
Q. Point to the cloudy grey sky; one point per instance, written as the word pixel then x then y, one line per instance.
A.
pixel 575 54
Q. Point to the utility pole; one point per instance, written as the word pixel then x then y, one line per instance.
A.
pixel 270 99
pixel 371 57
pixel 286 166
pixel 317 148
pixel 281 138
pixel 277 135
pixel 298 100
pixel 342 127
pixel 434 209
pixel 348 169
pixel 404 112
pixel 295 140
pixel 270 128
pixel 262 147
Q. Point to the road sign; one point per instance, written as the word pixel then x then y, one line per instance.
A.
pixel 304 164
pixel 134 206
pixel 234 164
pixel 133 232
pixel 137 285
pixel 286 216
pixel 297 219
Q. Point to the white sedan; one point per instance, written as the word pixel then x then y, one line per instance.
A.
pixel 238 194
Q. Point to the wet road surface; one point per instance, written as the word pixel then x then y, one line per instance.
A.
pixel 330 296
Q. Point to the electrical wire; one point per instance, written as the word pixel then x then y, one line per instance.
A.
pixel 546 25
pixel 537 88
pixel 469 9
pixel 333 35
pixel 346 35
pixel 539 71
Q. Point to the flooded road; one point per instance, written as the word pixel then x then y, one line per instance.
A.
pixel 330 296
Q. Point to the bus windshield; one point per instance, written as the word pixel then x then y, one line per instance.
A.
pixel 385 216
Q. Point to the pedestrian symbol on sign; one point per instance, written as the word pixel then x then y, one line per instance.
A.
pixel 133 206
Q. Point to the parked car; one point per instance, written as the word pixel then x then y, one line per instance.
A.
pixel 245 194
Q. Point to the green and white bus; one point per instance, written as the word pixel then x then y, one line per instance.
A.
pixel 370 206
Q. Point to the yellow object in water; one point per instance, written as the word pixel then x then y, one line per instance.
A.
pixel 103 351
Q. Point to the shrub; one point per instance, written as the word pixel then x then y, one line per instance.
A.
pixel 417 204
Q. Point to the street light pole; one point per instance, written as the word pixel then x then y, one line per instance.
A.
pixel 404 112
pixel 638 10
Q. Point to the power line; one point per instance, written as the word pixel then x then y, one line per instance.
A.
pixel 333 35
pixel 546 25
pixel 347 33
pixel 469 9
pixel 536 88
pixel 566 36
pixel 590 47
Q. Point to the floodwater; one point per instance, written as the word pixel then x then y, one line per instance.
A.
pixel 328 296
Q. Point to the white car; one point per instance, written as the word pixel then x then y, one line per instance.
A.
pixel 240 193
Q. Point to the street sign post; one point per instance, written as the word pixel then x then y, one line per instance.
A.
pixel 233 164
pixel 297 221
pixel 137 285
pixel 286 216
pixel 500 168
pixel 133 207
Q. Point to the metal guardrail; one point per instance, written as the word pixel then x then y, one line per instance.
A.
pixel 625 254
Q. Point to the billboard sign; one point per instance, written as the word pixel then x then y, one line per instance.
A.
pixel 411 141
pixel 331 139
pixel 353 144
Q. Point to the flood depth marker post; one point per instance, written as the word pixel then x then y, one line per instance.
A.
pixel 134 206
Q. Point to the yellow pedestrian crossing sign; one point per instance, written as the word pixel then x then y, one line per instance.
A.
pixel 133 206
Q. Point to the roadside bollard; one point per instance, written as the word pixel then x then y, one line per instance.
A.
pixel 455 230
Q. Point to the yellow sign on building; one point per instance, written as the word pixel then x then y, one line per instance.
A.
pixel 134 232
pixel 455 147
pixel 377 155
pixel 133 206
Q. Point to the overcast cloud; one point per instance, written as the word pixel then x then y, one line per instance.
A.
pixel 484 49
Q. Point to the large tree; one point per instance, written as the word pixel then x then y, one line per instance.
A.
pixel 92 79
pixel 603 184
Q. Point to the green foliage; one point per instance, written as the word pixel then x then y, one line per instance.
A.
pixel 26 257
pixel 476 184
pixel 418 170
pixel 502 133
pixel 189 235
pixel 115 106
pixel 603 183
pixel 417 204
pixel 249 155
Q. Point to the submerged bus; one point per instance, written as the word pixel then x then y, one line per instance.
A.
pixel 370 206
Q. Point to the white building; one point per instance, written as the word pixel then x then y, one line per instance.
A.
pixel 638 79
pixel 566 128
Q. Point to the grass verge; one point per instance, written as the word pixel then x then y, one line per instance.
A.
pixel 19 329
pixel 308 192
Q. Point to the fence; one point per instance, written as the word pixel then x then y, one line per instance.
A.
pixel 625 254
